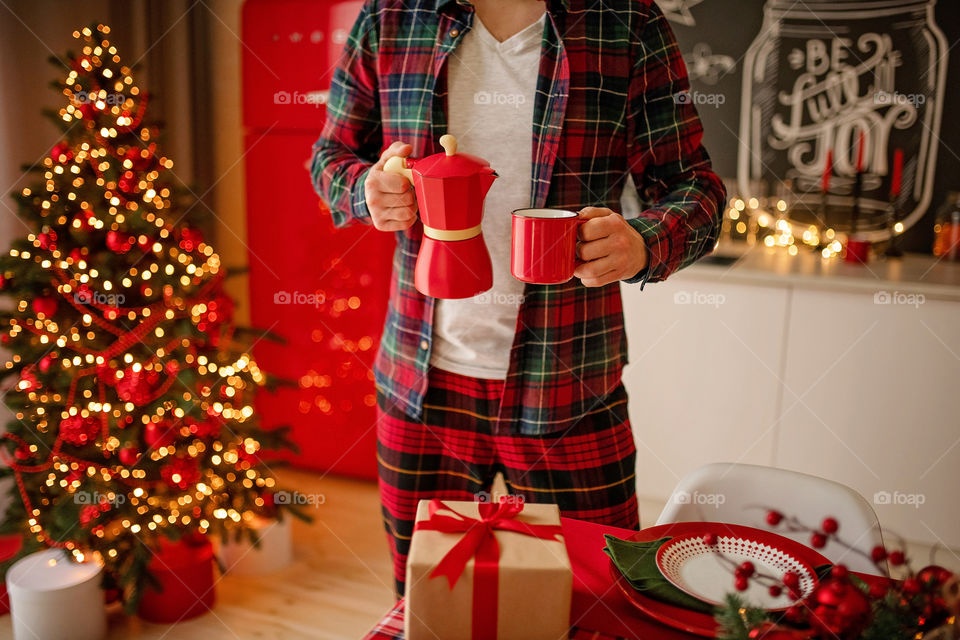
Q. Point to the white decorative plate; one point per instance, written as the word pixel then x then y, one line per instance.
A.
pixel 695 568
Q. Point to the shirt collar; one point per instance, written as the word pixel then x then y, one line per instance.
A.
pixel 552 5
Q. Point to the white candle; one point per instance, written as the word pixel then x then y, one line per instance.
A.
pixel 274 553
pixel 54 598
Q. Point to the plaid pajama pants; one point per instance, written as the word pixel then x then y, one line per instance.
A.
pixel 454 451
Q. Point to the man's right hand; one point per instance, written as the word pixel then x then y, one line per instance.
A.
pixel 390 197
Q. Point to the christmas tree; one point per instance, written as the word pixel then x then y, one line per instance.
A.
pixel 130 387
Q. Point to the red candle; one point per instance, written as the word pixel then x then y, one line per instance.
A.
pixel 860 145
pixel 897 174
pixel 827 170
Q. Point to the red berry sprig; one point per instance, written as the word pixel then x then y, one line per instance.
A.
pixel 920 592
pixel 827 533
pixel 746 571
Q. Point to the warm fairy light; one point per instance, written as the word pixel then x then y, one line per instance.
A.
pixel 811 236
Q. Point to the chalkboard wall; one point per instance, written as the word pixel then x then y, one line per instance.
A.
pixel 882 67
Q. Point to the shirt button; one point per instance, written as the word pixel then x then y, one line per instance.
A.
pixel 454 33
pixel 424 345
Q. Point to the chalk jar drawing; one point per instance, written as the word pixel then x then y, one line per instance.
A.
pixel 822 74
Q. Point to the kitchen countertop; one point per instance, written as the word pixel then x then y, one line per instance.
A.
pixel 773 266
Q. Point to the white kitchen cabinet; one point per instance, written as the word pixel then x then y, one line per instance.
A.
pixel 846 372
pixel 869 402
pixel 703 377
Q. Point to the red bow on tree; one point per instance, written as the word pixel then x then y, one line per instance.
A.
pixel 480 543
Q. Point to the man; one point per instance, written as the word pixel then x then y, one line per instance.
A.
pixel 565 99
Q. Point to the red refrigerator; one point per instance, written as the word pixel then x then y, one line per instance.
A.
pixel 323 290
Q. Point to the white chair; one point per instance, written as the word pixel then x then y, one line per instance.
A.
pixel 742 494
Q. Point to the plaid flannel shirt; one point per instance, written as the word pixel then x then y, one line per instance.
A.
pixel 609 100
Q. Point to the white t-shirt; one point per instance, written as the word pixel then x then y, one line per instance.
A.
pixel 491 87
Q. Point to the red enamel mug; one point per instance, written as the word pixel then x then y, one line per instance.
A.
pixel 544 247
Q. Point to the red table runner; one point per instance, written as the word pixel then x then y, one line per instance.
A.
pixel 597 602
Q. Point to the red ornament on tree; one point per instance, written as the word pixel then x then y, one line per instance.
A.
pixel 79 430
pixel 204 428
pixel 88 514
pixel 140 159
pixel 190 238
pixel 47 305
pixel 44 364
pixel 47 240
pixel 128 184
pixel 137 386
pixel 28 379
pixel 160 434
pixel 219 312
pixel 118 243
pixel 181 472
pixel 129 455
pixel 251 459
pixel 61 149
pixel 86 218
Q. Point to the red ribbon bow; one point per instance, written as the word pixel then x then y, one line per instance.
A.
pixel 479 542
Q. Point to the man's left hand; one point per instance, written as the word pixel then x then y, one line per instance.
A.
pixel 610 248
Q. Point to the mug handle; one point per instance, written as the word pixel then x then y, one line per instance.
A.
pixel 576 253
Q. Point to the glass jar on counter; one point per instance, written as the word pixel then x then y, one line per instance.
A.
pixel 820 75
pixel 946 230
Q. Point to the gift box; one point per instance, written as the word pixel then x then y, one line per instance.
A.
pixel 273 552
pixel 480 571
pixel 184 571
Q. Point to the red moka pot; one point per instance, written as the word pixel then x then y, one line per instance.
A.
pixel 450 187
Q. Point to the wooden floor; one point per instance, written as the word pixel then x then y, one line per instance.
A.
pixel 339 585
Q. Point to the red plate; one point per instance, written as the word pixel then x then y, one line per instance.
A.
pixel 695 622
